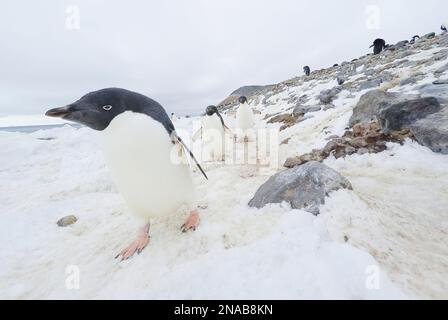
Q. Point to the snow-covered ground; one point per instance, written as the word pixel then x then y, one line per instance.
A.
pixel 385 239
pixel 28 120
pixel 237 252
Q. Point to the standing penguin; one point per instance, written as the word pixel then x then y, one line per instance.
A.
pixel 307 70
pixel 378 46
pixel 212 133
pixel 173 117
pixel 138 140
pixel 244 119
pixel 443 28
pixel 414 38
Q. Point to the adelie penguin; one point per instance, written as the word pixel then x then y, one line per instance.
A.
pixel 414 39
pixel 307 70
pixel 245 120
pixel 378 46
pixel 213 134
pixel 146 157
pixel 443 28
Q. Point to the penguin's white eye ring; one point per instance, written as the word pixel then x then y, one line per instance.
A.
pixel 107 108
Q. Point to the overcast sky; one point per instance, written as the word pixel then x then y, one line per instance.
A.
pixel 186 54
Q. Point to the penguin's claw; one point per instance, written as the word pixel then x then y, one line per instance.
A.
pixel 136 246
pixel 192 222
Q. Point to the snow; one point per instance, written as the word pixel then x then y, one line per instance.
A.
pixel 237 252
pixel 28 120
pixel 398 211
pixel 385 239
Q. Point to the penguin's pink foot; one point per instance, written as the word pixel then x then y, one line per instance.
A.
pixel 137 245
pixel 192 222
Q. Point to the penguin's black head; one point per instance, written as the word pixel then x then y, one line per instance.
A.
pixel 211 110
pixel 242 99
pixel 97 109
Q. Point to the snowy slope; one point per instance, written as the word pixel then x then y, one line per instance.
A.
pixel 392 225
pixel 236 253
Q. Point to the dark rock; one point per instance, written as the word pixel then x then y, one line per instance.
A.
pixel 438 91
pixel 412 80
pixel 371 83
pixel 440 82
pixel 284 118
pixel 327 96
pixel 362 151
pixel 429 35
pixel 432 131
pixel 441 69
pixel 301 110
pixel 303 187
pixel 67 221
pixel 371 104
pixel 401 115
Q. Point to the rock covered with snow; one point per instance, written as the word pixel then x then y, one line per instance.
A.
pixel 304 187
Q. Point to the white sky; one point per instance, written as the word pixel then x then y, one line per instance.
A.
pixel 185 54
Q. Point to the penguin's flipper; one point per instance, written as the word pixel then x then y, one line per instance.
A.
pixel 176 139
pixel 227 130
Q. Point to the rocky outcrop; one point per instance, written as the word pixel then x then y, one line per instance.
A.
pixel 432 131
pixel 364 138
pixel 327 96
pixel 401 115
pixel 301 110
pixel 304 187
pixel 372 103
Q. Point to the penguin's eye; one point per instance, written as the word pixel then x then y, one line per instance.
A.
pixel 107 108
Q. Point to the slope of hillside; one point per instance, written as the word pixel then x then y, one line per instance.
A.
pixel 397 209
pixel 384 239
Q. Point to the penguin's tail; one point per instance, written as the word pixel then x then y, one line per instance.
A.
pixel 191 154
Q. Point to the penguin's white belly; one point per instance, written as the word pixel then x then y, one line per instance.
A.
pixel 138 152
pixel 213 137
pixel 244 118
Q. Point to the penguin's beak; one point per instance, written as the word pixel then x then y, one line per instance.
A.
pixel 58 112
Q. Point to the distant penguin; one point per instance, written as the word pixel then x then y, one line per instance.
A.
pixel 212 133
pixel 143 153
pixel 378 46
pixel 307 70
pixel 173 117
pixel 244 119
pixel 443 28
pixel 414 38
